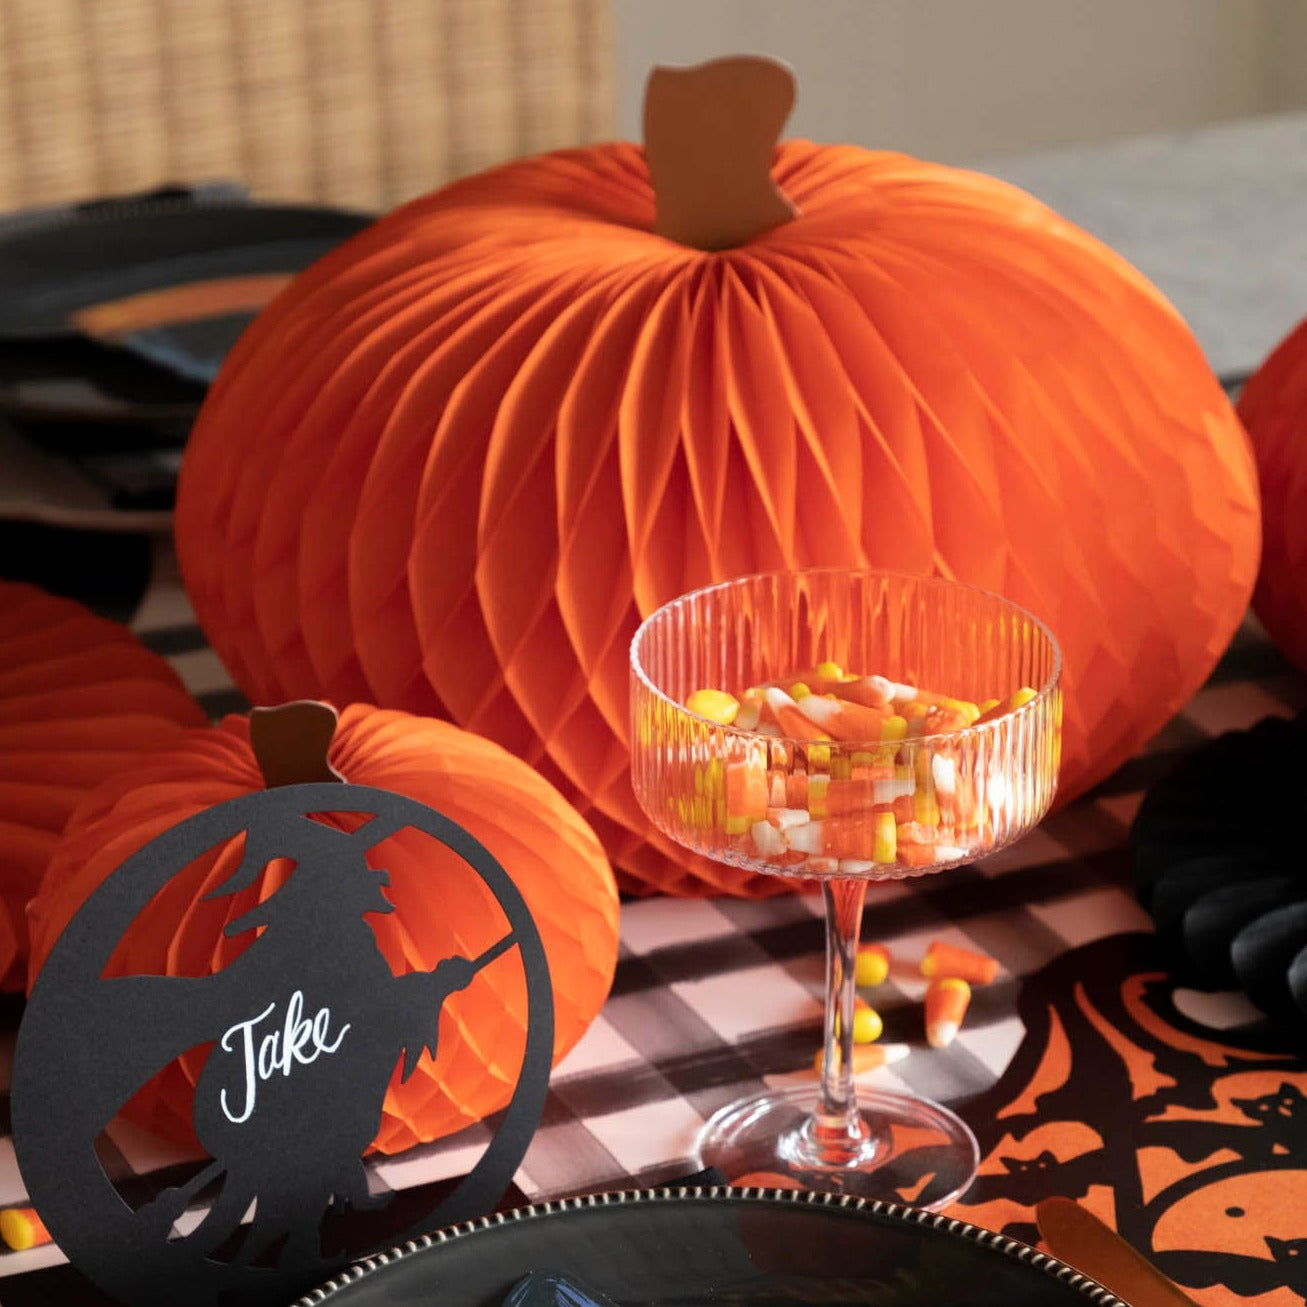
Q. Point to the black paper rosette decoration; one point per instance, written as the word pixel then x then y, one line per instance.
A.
pixel 1221 866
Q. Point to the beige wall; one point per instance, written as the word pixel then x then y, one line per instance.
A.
pixel 1289 66
pixel 961 80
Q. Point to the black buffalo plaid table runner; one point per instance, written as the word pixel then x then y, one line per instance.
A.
pixel 714 999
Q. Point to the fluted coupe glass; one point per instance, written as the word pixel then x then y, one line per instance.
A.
pixel 973 790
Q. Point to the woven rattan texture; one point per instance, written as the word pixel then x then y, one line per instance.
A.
pixel 362 103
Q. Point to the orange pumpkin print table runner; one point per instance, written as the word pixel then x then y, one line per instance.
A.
pixel 1191 1142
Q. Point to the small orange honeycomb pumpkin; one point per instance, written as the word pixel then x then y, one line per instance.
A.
pixel 550 853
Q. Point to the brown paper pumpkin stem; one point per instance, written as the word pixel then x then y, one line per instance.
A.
pixel 290 743
pixel 710 135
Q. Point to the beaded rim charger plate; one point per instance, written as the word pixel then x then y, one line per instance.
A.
pixel 694 1247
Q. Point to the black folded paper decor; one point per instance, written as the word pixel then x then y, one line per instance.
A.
pixel 1221 866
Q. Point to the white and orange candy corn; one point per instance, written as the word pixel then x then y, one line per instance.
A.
pixel 859 776
pixel 946 1005
pixel 868 1057
pixel 1018 700
pixel 716 705
pixel 21 1228
pixel 949 960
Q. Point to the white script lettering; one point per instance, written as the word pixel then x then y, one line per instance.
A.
pixel 298 1042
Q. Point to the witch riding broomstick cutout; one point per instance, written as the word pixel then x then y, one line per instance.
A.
pixel 291 1095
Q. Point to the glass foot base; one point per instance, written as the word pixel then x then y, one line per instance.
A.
pixel 911 1150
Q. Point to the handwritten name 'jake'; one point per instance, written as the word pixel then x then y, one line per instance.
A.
pixel 298 1042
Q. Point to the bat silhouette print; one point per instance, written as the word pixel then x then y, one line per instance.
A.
pixel 305 1029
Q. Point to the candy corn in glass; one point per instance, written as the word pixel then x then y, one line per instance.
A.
pixel 850 727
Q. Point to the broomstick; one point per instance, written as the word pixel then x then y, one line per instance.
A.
pixel 450 976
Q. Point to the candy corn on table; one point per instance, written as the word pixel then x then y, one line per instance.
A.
pixel 718 998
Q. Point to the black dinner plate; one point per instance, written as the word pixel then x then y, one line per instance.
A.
pixel 693 1247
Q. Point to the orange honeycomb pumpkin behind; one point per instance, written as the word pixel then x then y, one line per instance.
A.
pixel 456 462
pixel 548 850
pixel 1273 407
pixel 80 697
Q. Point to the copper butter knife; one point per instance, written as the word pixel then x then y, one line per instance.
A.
pixel 1076 1236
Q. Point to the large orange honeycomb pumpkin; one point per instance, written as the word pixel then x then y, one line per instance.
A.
pixel 441 907
pixel 456 462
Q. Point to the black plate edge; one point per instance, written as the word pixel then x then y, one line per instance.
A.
pixel 1075 1280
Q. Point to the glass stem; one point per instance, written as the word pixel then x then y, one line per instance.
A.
pixel 838 1130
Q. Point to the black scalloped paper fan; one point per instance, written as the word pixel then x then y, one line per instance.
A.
pixel 1221 867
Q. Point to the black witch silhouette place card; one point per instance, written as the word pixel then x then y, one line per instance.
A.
pixel 303 1030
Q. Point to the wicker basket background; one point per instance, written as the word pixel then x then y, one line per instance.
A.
pixel 360 103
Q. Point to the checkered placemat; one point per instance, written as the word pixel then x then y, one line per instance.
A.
pixel 718 998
